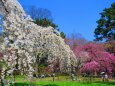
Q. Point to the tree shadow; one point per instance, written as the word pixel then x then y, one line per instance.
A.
pixel 108 83
pixel 50 85
pixel 27 84
pixel 22 84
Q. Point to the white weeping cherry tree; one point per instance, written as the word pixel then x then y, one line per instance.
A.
pixel 23 40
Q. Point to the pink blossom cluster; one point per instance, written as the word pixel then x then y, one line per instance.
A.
pixel 93 57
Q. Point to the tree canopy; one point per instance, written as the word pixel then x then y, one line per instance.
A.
pixel 106 25
pixel 45 23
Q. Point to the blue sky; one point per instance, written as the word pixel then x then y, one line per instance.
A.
pixel 0 23
pixel 73 16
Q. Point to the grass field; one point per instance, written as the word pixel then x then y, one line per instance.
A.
pixel 69 84
pixel 64 81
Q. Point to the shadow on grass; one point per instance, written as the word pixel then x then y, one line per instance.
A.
pixel 22 84
pixel 26 84
pixel 50 85
pixel 108 83
pixel 111 83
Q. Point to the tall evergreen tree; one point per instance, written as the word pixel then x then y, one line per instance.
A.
pixel 106 25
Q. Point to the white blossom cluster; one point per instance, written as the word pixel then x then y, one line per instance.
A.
pixel 23 40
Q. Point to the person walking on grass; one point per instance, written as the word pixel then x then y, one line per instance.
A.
pixel 106 77
pixel 72 76
pixel 103 76
pixel 53 75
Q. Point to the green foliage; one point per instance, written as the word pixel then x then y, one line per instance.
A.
pixel 110 47
pixel 1 39
pixel 42 62
pixel 2 63
pixel 62 35
pixel 42 59
pixel 45 23
pixel 106 24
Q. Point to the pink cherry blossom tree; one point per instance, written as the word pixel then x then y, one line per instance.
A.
pixel 92 57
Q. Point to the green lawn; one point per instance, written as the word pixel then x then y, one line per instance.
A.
pixel 69 84
pixel 64 81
